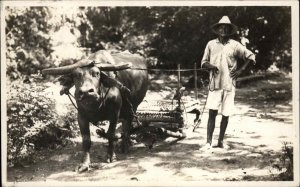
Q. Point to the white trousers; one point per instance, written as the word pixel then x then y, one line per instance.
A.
pixel 221 98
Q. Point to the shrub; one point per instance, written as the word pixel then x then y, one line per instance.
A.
pixel 33 123
pixel 285 164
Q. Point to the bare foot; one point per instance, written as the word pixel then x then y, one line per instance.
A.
pixel 82 168
pixel 207 146
pixel 221 145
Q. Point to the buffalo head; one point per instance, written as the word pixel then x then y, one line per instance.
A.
pixel 86 75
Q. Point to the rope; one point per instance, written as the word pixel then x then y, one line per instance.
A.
pixel 210 90
pixel 171 70
pixel 233 84
pixel 133 113
pixel 157 69
pixel 103 98
pixel 212 79
pixel 199 121
pixel 68 94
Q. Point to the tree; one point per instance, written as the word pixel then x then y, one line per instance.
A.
pixel 167 36
pixel 27 40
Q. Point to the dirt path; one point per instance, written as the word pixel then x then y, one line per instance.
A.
pixel 255 137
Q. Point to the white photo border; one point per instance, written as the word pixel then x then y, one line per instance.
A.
pixel 295 83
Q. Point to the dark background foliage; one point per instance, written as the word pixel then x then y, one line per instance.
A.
pixel 178 35
pixel 27 41
pixel 167 36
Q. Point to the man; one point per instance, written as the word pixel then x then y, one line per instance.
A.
pixel 220 57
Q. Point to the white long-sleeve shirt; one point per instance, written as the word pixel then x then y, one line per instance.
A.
pixel 224 57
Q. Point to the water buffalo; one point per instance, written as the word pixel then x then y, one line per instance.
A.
pixel 100 97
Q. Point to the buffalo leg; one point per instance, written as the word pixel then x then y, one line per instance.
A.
pixel 111 156
pixel 86 143
pixel 126 128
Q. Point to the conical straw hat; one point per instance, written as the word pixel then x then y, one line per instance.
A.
pixel 224 21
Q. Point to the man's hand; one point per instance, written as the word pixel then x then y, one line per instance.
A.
pixel 234 74
pixel 214 69
pixel 211 67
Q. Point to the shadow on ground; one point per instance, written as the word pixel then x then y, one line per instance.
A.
pixel 173 159
pixel 254 138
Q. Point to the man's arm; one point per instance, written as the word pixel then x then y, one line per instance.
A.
pixel 245 54
pixel 236 73
pixel 210 67
pixel 205 60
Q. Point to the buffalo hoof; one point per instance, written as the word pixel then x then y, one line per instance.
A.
pixel 111 158
pixel 125 149
pixel 125 146
pixel 82 168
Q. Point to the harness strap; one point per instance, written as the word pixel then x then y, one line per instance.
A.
pixel 69 94
pixel 133 113
pixel 104 98
pixel 125 93
pixel 199 121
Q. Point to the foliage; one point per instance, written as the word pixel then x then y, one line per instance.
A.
pixel 178 35
pixel 269 32
pixel 285 164
pixel 167 36
pixel 32 122
pixel 27 40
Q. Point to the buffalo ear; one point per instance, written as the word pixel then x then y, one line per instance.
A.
pixel 106 80
pixel 66 80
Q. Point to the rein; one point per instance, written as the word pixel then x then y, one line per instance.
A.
pixel 103 98
pixel 69 94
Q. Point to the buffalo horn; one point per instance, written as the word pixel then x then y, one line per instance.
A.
pixel 65 69
pixel 114 67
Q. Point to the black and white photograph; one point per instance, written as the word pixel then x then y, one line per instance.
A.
pixel 149 93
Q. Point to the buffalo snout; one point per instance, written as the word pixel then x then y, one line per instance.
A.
pixel 87 93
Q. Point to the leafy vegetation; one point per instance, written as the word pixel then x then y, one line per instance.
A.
pixel 27 41
pixel 285 163
pixel 33 122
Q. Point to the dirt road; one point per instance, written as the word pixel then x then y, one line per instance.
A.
pixel 254 139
